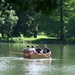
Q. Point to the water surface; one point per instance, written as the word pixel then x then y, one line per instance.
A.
pixel 62 61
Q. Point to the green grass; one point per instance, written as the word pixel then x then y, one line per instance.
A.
pixel 22 39
pixel 39 39
pixel 25 39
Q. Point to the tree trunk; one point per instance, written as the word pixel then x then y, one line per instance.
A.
pixel 61 21
pixel 35 34
pixel 2 33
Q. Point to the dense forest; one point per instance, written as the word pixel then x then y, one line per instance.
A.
pixel 54 18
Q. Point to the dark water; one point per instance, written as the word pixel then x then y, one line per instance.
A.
pixel 62 61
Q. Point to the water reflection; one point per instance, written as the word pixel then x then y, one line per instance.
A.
pixel 21 66
pixel 62 63
pixel 37 66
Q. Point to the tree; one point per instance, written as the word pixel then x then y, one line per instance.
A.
pixel 64 15
pixel 61 20
pixel 25 24
pixel 43 6
pixel 8 20
pixel 68 18
pixel 47 25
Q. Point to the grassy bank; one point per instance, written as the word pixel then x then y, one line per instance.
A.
pixel 30 40
pixel 39 39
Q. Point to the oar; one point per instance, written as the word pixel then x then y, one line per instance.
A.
pixel 46 56
pixel 15 53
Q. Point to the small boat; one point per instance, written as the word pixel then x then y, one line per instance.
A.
pixel 33 55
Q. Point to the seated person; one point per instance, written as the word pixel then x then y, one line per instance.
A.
pixel 46 49
pixel 27 48
pixel 38 50
pixel 32 50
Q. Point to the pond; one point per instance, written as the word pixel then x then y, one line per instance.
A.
pixel 62 61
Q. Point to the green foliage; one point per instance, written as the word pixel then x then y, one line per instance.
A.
pixel 30 23
pixel 69 19
pixel 25 24
pixel 43 6
pixel 47 25
pixel 68 16
pixel 29 28
pixel 8 20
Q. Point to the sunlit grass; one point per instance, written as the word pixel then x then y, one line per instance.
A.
pixel 26 39
pixel 38 37
pixel 22 39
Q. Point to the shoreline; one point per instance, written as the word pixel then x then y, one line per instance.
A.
pixel 45 41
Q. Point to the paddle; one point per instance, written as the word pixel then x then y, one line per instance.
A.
pixel 46 56
pixel 15 53
pixel 43 54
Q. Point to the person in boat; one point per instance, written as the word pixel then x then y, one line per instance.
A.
pixel 38 50
pixel 46 50
pixel 32 50
pixel 27 48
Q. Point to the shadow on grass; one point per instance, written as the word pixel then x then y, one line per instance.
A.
pixel 50 41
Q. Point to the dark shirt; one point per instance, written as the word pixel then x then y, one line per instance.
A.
pixel 38 50
pixel 46 50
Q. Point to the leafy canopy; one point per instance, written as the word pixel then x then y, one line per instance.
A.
pixel 43 6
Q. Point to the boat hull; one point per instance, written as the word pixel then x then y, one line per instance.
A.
pixel 35 55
